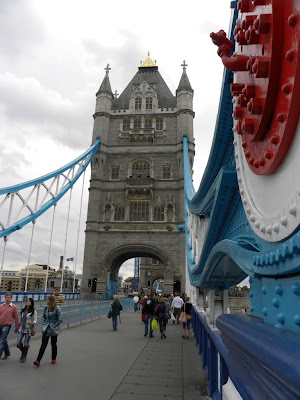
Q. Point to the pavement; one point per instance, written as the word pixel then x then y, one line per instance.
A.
pixel 94 361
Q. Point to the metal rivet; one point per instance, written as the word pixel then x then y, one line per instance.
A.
pixel 276 228
pixel 297 319
pixel 281 117
pixel 257 224
pixel 284 221
pixel 292 20
pixel 242 191
pixel 269 154
pixel 290 55
pixel 265 311
pixel 275 302
pixel 280 318
pixel 287 88
pixel 278 290
pixel 293 210
pixel 252 218
pixel 263 228
pixel 248 210
pixel 269 229
pixel 251 161
pixel 245 202
pixel 296 289
pixel 275 139
pixel 251 309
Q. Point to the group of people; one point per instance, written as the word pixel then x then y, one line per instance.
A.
pixel 164 308
pixel 25 324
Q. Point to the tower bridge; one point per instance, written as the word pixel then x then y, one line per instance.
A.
pixel 243 221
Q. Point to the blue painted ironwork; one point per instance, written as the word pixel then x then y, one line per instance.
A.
pixel 135 282
pixel 80 162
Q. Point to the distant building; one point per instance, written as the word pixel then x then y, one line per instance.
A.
pixel 15 281
pixel 128 285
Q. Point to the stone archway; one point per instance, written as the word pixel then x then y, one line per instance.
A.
pixel 108 275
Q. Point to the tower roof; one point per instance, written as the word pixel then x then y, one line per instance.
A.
pixel 105 85
pixel 148 71
pixel 184 83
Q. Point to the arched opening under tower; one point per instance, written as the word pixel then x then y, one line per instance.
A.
pixel 154 267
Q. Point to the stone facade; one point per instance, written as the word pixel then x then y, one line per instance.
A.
pixel 136 197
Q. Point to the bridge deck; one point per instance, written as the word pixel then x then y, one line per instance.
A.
pixel 93 360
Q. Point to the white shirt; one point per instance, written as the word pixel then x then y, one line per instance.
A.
pixel 136 299
pixel 177 302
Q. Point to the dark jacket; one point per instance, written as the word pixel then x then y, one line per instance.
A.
pixel 188 308
pixel 160 311
pixel 115 308
pixel 149 307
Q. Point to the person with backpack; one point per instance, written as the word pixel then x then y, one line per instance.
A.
pixel 51 322
pixel 116 307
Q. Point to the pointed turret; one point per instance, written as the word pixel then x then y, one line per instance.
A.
pixel 105 87
pixel 184 84
pixel 104 99
pixel 185 113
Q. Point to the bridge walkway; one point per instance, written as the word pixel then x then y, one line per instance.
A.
pixel 94 361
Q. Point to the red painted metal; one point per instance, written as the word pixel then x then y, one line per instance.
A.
pixel 267 75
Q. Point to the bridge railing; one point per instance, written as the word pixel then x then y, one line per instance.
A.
pixel 76 314
pixel 213 352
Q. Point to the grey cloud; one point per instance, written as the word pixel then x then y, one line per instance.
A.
pixel 20 29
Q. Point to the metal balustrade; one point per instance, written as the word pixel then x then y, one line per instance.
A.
pixel 76 314
pixel 213 352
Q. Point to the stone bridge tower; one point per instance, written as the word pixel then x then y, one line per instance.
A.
pixel 136 197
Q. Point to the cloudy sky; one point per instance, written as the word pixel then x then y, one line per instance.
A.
pixel 52 60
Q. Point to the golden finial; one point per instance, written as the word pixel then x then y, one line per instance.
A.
pixel 148 62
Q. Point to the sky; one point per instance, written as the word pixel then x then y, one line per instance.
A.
pixel 52 60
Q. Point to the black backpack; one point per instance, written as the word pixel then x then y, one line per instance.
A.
pixel 121 307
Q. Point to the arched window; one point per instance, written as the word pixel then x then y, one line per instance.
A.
pixel 138 103
pixel 141 169
pixel 149 103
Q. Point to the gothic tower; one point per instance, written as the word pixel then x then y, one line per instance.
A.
pixel 136 198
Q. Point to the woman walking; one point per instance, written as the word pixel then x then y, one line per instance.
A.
pixel 186 326
pixel 51 320
pixel 160 313
pixel 116 307
pixel 27 321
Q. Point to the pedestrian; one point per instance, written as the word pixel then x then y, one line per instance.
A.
pixel 143 304
pixel 116 307
pixel 8 314
pixel 51 322
pixel 177 304
pixel 168 308
pixel 136 301
pixel 186 326
pixel 28 319
pixel 160 314
pixel 59 298
pixel 148 310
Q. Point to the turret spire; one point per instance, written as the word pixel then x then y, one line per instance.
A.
pixel 184 83
pixel 105 85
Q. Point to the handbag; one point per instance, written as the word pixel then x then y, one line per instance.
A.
pixel 172 316
pixel 182 317
pixel 109 315
pixel 32 331
pixel 154 326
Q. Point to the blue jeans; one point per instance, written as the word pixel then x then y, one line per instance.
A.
pixel 4 331
pixel 26 337
pixel 147 319
pixel 114 322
